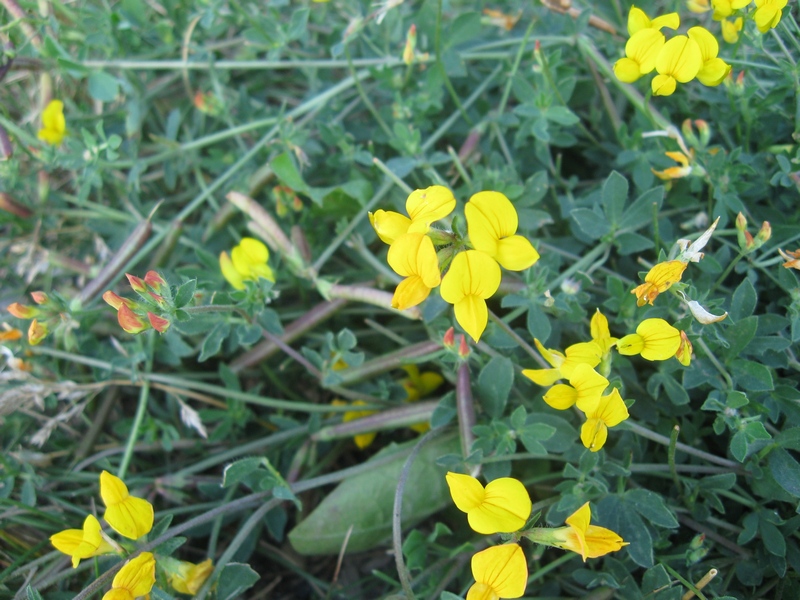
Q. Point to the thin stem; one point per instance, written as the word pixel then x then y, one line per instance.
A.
pixel 514 68
pixel 710 355
pixel 465 407
pixel 437 44
pixel 141 409
pixel 364 98
pixel 517 338
pixel 664 441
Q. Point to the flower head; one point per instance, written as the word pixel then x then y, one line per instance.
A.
pixel 768 13
pixel 413 256
pixel 54 125
pixel 423 208
pixel 585 384
pixel 725 8
pixel 247 262
pixel 684 170
pixel 601 413
pixel 655 339
pixel 492 226
pixel 659 279
pixel 473 277
pixel 190 577
pixel 37 332
pixel 135 579
pixel 590 541
pixel 82 543
pixel 128 515
pixel 130 321
pixel 588 353
pixel 678 61
pixel 503 506
pixel 499 572
pixel 731 28
pixel 641 52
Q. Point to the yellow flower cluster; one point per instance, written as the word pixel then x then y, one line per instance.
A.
pixel 767 14
pixel 247 262
pixel 131 517
pixel 679 60
pixel 471 266
pixel 503 506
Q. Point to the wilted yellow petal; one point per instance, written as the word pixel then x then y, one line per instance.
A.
pixel 501 568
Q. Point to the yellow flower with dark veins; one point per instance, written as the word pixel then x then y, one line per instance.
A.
pixel 473 277
pixel 590 541
pixel 589 353
pixel 678 61
pixel 655 339
pixel 503 506
pixel 423 208
pixel 128 515
pixel 247 262
pixel 492 223
pixel 54 125
pixel 82 543
pixel 714 69
pixel 413 256
pixel 191 577
pixel 585 384
pixel 659 279
pixel 134 580
pixel 499 572
pixel 601 413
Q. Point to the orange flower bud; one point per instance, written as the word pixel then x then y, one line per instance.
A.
pixel 23 312
pixel 449 339
pixel 764 233
pixel 40 297
pixel 130 321
pixel 113 300
pixel 136 283
pixel 10 334
pixel 37 332
pixel 463 347
pixel 158 323
pixel 154 280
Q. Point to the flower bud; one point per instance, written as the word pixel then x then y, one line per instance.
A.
pixel 411 44
pixel 36 332
pixel 115 301
pixel 764 233
pixel 158 323
pixel 154 280
pixel 449 339
pixel 40 297
pixel 136 283
pixel 704 130
pixel 23 312
pixel 463 347
pixel 688 133
pixel 684 353
pixel 130 321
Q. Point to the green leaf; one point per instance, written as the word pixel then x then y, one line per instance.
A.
pixel 752 376
pixel 774 542
pixel 614 196
pixel 631 243
pixel 561 115
pixel 640 213
pixel 651 506
pixel 284 169
pixel 786 470
pixel 723 481
pixel 103 87
pixel 739 336
pixel 744 301
pixel 213 341
pixel 185 293
pixel 366 501
pixel 465 27
pixel 32 594
pixel 235 472
pixel 494 385
pixel 591 223
pixel 633 530
pixel 235 579
pixel 739 446
pixel 538 324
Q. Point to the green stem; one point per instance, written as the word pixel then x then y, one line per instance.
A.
pixel 551 566
pixel 364 98
pixel 437 44
pixel 514 68
pixel 141 409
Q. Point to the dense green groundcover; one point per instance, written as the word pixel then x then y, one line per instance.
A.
pixel 244 408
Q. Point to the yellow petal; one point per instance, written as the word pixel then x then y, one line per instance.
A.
pixel 473 315
pixel 680 58
pixel 600 541
pixel 543 377
pixel 588 382
pixel 137 576
pixel 389 225
pixel 505 507
pixel 663 85
pixel 112 489
pixel 731 29
pixel 490 217
pixel 410 292
pixel 554 357
pixel 637 20
pixel 191 577
pixel 627 70
pixel 473 277
pixel 630 344
pixel 644 48
pixel 481 591
pixel 428 205
pixel 561 396
pixel 594 434
pixel 253 251
pixel 583 353
pixel 660 339
pixel 466 491
pixel 709 47
pixel 118 594
pixel 611 409
pixel 580 518
pixel 503 568
pixel 713 72
pixel 67 541
pixel 670 21
pixel 414 254
pixel 229 272
pixel 516 253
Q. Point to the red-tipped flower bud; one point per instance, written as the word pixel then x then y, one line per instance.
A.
pixel 130 321
pixel 23 312
pixel 136 283
pixel 449 339
pixel 40 297
pixel 463 347
pixel 113 300
pixel 154 280
pixel 158 323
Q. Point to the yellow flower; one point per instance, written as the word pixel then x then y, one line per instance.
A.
pixel 54 125
pixel 684 353
pixel 503 506
pixel 418 385
pixel 473 277
pixel 362 440
pixel 659 279
pixel 731 29
pixel 247 262
pixel 641 52
pixel 678 61
pixel 675 172
pixel 589 353
pixel 638 20
pixel 492 224
pixel 134 580
pixel 655 339
pixel 128 515
pixel 423 207
pixel 37 332
pixel 601 335
pixel 601 413
pixel 590 541
pixel 82 543
pixel 698 6
pixel 768 14
pixel 791 257
pixel 714 69
pixel 191 577
pixel 499 572
pixel 413 256
pixel 725 8
pixel 585 385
